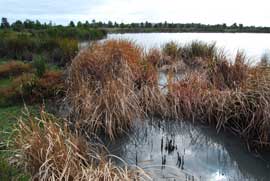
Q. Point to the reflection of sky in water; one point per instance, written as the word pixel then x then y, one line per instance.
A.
pixel 205 155
pixel 253 44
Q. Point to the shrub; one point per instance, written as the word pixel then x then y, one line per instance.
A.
pixel 50 85
pixel 40 65
pixel 24 46
pixel 31 89
pixel 14 68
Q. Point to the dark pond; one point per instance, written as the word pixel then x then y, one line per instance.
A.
pixel 179 150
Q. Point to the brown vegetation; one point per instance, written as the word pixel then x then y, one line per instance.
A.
pixel 14 68
pixel 113 83
pixel 49 151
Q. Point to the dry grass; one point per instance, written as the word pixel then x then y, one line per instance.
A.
pixel 113 83
pixel 14 68
pixel 49 151
pixel 104 82
pixel 244 110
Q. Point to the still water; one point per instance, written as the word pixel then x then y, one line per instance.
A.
pixel 179 150
pixel 253 44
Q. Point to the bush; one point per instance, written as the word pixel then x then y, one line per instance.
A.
pixel 24 46
pixel 31 89
pixel 40 65
pixel 14 68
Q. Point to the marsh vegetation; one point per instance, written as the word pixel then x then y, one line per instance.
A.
pixel 113 85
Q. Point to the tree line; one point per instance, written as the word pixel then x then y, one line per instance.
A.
pixel 138 27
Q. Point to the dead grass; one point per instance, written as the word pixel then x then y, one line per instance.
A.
pixel 49 151
pixel 244 111
pixel 14 68
pixel 113 83
pixel 104 82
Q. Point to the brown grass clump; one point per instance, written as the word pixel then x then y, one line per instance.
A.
pixel 14 68
pixel 104 82
pixel 224 74
pixel 49 151
pixel 154 102
pixel 244 111
pixel 111 109
pixel 154 57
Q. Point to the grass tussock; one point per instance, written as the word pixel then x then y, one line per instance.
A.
pixel 244 111
pixel 104 82
pixel 49 151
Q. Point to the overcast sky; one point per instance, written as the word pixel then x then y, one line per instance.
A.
pixel 248 12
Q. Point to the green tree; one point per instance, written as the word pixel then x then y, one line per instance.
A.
pixel 17 26
pixel 110 24
pixel 4 23
pixel 71 24
pixel 79 24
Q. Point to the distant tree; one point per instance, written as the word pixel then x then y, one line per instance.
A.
pixel 50 24
pixel 71 24
pixel 234 25
pixel 116 24
pixel 110 24
pixel 79 24
pixel 29 24
pixel 165 24
pixel 17 25
pixel 122 25
pixel 4 23
pixel 99 24
pixel 241 26
pixel 86 24
pixel 38 25
pixel 148 25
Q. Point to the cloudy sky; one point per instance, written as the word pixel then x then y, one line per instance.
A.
pixel 248 12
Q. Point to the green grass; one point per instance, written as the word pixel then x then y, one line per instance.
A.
pixel 3 61
pixel 8 120
pixel 5 82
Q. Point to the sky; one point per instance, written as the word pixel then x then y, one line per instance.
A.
pixel 247 12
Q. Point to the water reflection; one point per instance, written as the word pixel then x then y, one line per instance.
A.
pixel 173 150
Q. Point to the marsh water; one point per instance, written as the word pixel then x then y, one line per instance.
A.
pixel 180 150
pixel 253 44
